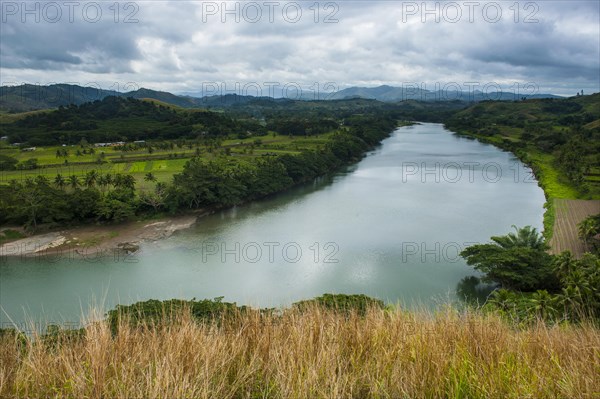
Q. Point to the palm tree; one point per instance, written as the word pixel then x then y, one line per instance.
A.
pixel 564 264
pixel 59 181
pixel 587 229
pixel 109 179
pixel 102 181
pixel 523 237
pixel 503 299
pixel 42 180
pixel 150 177
pixel 544 303
pixel 117 180
pixel 90 178
pixel 73 181
pixel 129 181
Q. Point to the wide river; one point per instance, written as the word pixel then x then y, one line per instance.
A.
pixel 390 226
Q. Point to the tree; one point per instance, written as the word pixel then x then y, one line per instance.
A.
pixel 517 261
pixel 525 237
pixel 90 178
pixel 579 279
pixel 59 181
pixel 118 205
pixel 129 182
pixel 156 199
pixel 150 177
pixel 73 181
pixel 588 228
pixel 31 203
pixel 7 163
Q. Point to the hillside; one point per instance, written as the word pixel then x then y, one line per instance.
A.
pixel 120 119
pixel 559 137
pixel 311 351
pixel 34 97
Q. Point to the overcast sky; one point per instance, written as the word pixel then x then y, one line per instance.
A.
pixel 199 47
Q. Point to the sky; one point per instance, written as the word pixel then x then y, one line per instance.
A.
pixel 270 47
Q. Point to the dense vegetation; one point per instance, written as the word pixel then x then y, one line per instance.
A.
pixel 589 232
pixel 535 285
pixel 116 119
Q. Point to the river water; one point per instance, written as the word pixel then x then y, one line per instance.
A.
pixel 390 226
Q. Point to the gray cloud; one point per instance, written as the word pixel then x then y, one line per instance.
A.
pixel 176 46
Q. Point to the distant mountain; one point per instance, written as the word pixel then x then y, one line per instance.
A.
pixel 182 101
pixel 394 94
pixel 33 97
pixel 229 100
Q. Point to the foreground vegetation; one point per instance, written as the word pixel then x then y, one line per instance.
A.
pixel 533 284
pixel 308 351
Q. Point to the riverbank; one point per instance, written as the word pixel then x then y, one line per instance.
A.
pixel 98 240
pixel 549 179
pixel 94 240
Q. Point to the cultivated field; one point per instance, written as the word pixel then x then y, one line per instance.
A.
pixel 568 213
pixel 162 163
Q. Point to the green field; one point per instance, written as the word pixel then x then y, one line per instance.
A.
pixel 162 163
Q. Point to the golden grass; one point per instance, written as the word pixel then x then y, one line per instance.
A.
pixel 315 353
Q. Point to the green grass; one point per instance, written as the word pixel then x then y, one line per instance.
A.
pixel 551 180
pixel 161 163
pixel 549 217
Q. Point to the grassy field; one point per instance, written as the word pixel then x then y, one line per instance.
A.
pixel 162 163
pixel 314 353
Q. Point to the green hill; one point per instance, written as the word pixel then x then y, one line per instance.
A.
pixel 120 119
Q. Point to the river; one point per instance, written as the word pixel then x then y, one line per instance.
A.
pixel 390 226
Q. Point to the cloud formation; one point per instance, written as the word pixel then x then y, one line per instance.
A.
pixel 180 46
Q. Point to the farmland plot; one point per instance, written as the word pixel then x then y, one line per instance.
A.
pixel 568 214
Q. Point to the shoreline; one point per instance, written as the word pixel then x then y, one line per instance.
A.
pixel 121 239
pixel 95 241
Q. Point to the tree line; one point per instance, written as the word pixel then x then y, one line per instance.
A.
pixel 201 184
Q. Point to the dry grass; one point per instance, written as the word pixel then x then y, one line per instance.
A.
pixel 311 354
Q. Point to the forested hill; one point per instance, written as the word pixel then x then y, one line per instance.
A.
pixel 122 119
pixel 547 133
pixel 126 119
